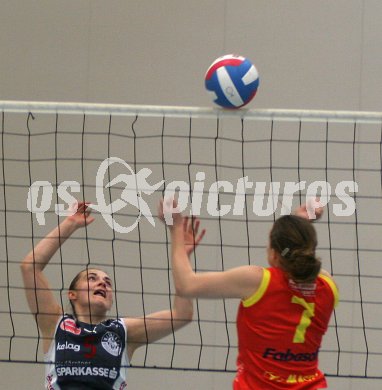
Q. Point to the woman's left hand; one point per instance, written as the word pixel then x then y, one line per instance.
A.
pixel 192 236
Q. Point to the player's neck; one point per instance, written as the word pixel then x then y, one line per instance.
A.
pixel 93 318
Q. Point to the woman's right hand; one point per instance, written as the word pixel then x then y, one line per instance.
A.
pixel 81 216
pixel 169 213
pixel 311 210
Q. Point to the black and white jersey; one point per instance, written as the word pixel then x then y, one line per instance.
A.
pixel 84 356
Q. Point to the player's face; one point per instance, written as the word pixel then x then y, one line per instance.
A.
pixel 95 288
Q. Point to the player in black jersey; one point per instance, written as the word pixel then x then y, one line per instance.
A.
pixel 86 350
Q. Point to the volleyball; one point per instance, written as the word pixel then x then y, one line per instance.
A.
pixel 233 80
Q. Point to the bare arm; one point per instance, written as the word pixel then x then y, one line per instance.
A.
pixel 162 323
pixel 240 282
pixel 303 211
pixel 145 330
pixel 41 300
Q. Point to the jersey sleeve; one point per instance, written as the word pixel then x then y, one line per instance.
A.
pixel 330 282
pixel 257 295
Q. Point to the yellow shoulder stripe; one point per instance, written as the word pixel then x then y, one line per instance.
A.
pixel 333 286
pixel 260 291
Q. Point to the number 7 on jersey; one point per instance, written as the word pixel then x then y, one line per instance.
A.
pixel 305 321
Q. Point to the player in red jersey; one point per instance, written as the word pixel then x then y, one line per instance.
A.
pixel 284 311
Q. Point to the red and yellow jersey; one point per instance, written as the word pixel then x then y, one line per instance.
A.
pixel 280 329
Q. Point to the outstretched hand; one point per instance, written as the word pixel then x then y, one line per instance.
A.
pixel 192 236
pixel 81 216
pixel 312 210
pixel 169 213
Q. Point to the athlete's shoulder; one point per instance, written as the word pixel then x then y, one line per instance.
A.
pixel 65 319
pixel 328 281
pixel 67 324
pixel 117 325
pixel 265 278
pixel 113 322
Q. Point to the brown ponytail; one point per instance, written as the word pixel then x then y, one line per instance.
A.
pixel 295 239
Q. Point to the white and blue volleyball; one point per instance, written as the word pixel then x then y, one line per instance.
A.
pixel 233 80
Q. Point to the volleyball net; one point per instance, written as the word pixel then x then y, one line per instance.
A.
pixel 236 170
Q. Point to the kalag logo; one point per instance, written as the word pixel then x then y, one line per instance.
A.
pixel 68 346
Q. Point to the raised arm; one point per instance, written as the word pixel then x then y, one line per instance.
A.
pixel 240 282
pixel 41 300
pixel 307 211
pixel 162 323
pixel 312 210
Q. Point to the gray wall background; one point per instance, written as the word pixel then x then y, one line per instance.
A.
pixel 310 55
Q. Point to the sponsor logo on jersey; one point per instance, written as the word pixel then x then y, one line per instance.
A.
pixel 111 342
pixel 289 356
pixel 291 378
pixel 87 371
pixel 306 289
pixel 69 325
pixel 66 345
